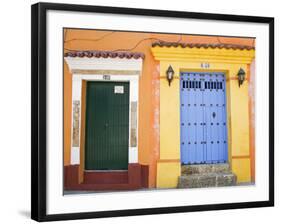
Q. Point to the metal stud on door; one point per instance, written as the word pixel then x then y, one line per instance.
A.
pixel 203 118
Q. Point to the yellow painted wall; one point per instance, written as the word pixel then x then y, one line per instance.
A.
pixel 239 114
pixel 242 168
pixel 239 133
pixel 227 61
pixel 169 128
pixel 167 174
pixel 155 97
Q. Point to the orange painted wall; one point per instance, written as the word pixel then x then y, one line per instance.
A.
pixel 67 106
pixel 76 39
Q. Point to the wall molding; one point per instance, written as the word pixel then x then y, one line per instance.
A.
pixel 202 55
pixel 106 72
pixel 103 64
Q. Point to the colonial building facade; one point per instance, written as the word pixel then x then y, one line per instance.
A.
pixel 174 111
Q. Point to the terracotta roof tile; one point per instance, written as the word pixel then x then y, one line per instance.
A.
pixel 105 54
pixel 202 45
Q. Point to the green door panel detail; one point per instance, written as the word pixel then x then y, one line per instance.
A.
pixel 107 126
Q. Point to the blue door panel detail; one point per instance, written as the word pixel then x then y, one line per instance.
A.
pixel 203 118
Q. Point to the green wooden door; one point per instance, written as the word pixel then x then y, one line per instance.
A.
pixel 107 126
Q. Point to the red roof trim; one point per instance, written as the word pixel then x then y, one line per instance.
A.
pixel 105 54
pixel 202 45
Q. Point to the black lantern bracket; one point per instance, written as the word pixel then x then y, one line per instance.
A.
pixel 170 74
pixel 241 76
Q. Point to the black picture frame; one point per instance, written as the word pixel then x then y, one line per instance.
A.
pixel 39 108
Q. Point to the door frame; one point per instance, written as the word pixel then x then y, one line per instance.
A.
pixel 103 70
pixel 133 98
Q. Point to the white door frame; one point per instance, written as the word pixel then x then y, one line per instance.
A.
pixel 106 70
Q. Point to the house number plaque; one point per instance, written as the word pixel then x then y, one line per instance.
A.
pixel 106 77
pixel 205 65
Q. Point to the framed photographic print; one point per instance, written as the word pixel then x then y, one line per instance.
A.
pixel 139 111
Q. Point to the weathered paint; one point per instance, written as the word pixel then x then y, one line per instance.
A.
pixel 227 61
pixel 147 143
pixel 252 117
pixel 149 89
pixel 135 179
pixel 155 122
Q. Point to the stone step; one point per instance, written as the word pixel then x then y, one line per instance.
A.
pixel 207 180
pixel 205 168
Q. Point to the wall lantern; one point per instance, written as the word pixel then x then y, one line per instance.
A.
pixel 170 74
pixel 241 76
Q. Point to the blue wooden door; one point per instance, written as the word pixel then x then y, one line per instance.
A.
pixel 203 118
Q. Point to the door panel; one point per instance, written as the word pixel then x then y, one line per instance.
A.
pixel 107 126
pixel 203 118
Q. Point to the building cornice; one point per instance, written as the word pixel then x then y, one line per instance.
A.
pixel 89 65
pixel 189 54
